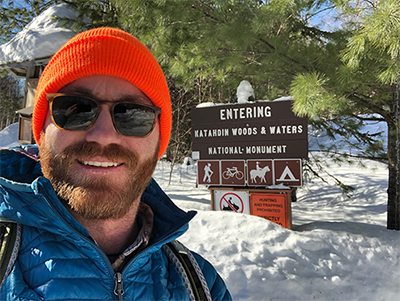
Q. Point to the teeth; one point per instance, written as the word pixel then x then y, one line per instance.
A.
pixel 100 164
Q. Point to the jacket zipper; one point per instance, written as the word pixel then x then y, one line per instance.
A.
pixel 117 278
pixel 119 289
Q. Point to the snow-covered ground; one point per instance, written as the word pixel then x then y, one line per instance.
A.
pixel 339 248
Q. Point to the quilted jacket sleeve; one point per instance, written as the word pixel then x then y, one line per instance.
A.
pixel 215 283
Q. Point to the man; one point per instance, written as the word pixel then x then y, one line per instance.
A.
pixel 94 223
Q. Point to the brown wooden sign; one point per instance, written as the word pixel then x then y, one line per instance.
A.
pixel 208 172
pixel 250 172
pixel 233 173
pixel 264 130
pixel 288 172
pixel 260 172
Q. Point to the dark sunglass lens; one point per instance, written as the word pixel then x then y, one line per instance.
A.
pixel 73 112
pixel 133 120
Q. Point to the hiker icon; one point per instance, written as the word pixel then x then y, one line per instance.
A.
pixel 207 173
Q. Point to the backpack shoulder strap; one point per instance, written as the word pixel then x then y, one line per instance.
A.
pixel 189 269
pixel 10 240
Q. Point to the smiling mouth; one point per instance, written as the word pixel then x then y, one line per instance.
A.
pixel 100 164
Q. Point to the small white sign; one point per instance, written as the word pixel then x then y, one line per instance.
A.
pixel 196 155
pixel 235 201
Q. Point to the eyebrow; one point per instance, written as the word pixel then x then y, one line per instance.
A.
pixel 139 99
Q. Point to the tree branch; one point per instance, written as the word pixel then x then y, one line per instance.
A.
pixel 367 104
pixel 347 155
pixel 368 118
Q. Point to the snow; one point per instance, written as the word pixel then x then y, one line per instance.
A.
pixel 318 138
pixel 41 38
pixel 205 105
pixel 339 248
pixel 9 136
pixel 244 92
pixel 284 98
pixel 242 101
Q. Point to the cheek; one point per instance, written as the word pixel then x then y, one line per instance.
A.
pixel 55 139
pixel 48 133
pixel 146 146
pixel 155 137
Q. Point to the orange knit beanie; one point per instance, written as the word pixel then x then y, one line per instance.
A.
pixel 106 51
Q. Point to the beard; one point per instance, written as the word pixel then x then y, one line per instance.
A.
pixel 97 197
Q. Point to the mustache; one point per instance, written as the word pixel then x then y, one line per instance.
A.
pixel 87 150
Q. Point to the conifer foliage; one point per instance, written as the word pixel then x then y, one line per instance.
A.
pixel 364 86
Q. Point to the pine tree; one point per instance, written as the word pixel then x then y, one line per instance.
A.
pixel 220 43
pixel 364 87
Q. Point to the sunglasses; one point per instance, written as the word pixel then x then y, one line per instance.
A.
pixel 79 113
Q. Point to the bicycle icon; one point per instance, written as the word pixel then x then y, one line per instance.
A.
pixel 232 172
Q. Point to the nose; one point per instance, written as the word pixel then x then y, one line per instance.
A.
pixel 103 131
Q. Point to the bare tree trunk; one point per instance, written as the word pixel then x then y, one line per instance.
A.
pixel 173 161
pixel 393 214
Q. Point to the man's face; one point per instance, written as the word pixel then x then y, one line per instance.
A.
pixel 99 172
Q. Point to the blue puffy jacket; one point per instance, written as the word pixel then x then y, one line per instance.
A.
pixel 57 260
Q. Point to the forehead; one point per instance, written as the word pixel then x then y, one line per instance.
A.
pixel 107 88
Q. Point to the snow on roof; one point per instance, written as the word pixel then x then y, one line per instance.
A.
pixel 41 38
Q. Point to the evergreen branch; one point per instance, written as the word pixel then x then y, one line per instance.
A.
pixel 368 118
pixel 381 159
pixel 320 11
pixel 283 56
pixel 317 33
pixel 345 188
pixel 269 46
pixel 367 104
pixel 316 174
pixel 207 14
pixel 4 13
pixel 372 3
